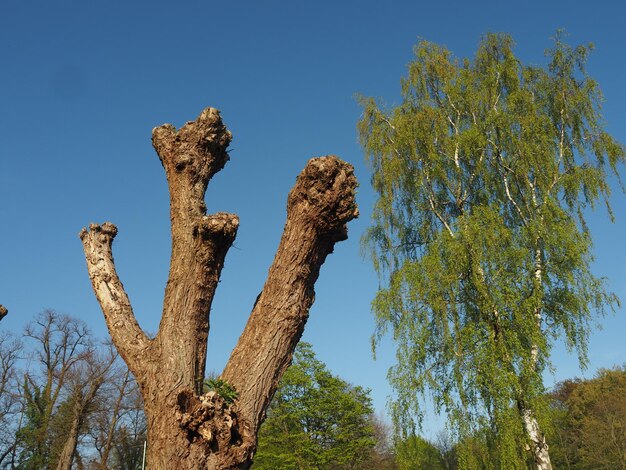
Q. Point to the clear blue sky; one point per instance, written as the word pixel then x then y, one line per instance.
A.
pixel 82 84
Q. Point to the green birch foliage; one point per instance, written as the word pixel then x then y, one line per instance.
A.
pixel 415 453
pixel 483 174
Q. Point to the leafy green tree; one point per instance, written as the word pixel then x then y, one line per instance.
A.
pixel 483 173
pixel 33 436
pixel 316 420
pixel 590 427
pixel 416 453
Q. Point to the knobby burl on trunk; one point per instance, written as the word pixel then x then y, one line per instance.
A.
pixel 189 429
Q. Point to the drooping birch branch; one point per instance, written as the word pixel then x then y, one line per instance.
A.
pixel 318 208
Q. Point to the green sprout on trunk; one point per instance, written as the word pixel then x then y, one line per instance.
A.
pixel 223 389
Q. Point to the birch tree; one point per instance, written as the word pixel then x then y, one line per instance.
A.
pixel 189 429
pixel 484 174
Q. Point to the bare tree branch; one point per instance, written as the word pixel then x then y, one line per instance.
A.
pixel 130 340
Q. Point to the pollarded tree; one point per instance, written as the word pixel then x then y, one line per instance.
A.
pixel 483 174
pixel 186 428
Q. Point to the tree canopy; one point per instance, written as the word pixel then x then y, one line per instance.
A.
pixel 590 422
pixel 66 400
pixel 316 420
pixel 416 453
pixel 484 173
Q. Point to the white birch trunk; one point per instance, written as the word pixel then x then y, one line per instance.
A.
pixel 538 441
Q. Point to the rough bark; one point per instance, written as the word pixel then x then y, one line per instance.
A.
pixel 3 312
pixel 186 428
pixel 318 208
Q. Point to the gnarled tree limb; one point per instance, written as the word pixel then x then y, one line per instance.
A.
pixel 318 208
pixel 128 337
pixel 190 157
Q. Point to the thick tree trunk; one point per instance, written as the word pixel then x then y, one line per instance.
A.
pixel 317 209
pixel 202 433
pixel 186 428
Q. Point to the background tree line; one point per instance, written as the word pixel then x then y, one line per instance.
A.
pixel 318 421
pixel 66 400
